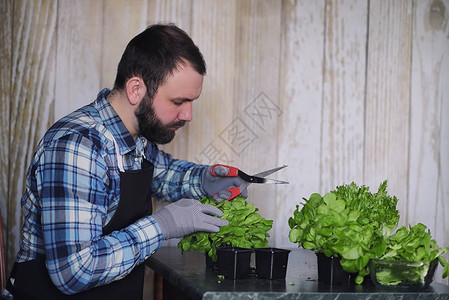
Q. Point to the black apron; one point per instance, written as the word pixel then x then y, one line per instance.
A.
pixel 31 278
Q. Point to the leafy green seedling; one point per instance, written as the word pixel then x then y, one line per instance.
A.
pixel 246 229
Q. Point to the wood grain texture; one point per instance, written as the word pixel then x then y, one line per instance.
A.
pixel 122 21
pixel 301 90
pixel 428 199
pixel 343 93
pixel 79 49
pixel 178 12
pixel 252 134
pixel 171 11
pixel 214 30
pixel 387 112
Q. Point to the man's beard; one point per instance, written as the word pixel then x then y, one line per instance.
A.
pixel 151 127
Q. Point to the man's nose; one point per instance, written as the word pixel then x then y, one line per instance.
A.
pixel 186 111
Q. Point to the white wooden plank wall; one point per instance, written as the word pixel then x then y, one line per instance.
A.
pixel 341 91
pixel 301 91
pixel 428 185
pixel 387 108
pixel 78 55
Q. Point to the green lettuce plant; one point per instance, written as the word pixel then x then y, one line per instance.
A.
pixel 411 245
pixel 246 229
pixel 350 223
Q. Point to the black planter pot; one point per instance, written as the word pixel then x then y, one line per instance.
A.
pixel 210 263
pixel 271 263
pixel 331 272
pixel 234 262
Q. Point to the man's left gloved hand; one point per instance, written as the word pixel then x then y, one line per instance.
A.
pixel 186 216
pixel 217 186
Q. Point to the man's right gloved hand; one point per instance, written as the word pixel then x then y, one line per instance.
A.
pixel 186 216
pixel 217 185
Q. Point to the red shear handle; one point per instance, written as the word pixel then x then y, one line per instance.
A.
pixel 235 191
pixel 233 172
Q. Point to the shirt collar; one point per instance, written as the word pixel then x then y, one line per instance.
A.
pixel 114 124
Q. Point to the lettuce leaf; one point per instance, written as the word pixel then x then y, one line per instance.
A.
pixel 350 223
pixel 246 229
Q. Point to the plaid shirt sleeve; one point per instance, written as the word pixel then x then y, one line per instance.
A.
pixel 175 179
pixel 72 182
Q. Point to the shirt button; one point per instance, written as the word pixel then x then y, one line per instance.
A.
pixel 136 159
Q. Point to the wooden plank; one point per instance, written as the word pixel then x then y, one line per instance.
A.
pixel 123 21
pixel 79 54
pixel 179 13
pixel 214 31
pixel 171 11
pixel 301 91
pixel 344 93
pixel 6 23
pixel 33 79
pixel 429 174
pixel 252 134
pixel 388 98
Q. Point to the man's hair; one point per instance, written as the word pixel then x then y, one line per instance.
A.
pixel 154 54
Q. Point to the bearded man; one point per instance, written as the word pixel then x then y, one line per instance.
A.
pixel 89 224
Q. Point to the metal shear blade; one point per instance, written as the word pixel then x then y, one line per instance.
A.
pixel 258 178
pixel 271 171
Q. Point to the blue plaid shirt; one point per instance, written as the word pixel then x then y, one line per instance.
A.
pixel 72 192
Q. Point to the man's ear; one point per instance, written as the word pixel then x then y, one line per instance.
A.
pixel 135 90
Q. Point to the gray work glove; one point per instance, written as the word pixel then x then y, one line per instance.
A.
pixel 186 216
pixel 217 186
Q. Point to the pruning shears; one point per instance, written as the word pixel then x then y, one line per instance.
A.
pixel 247 179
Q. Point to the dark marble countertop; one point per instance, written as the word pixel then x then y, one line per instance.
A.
pixel 188 272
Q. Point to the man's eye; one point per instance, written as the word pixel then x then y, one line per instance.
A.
pixel 177 102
